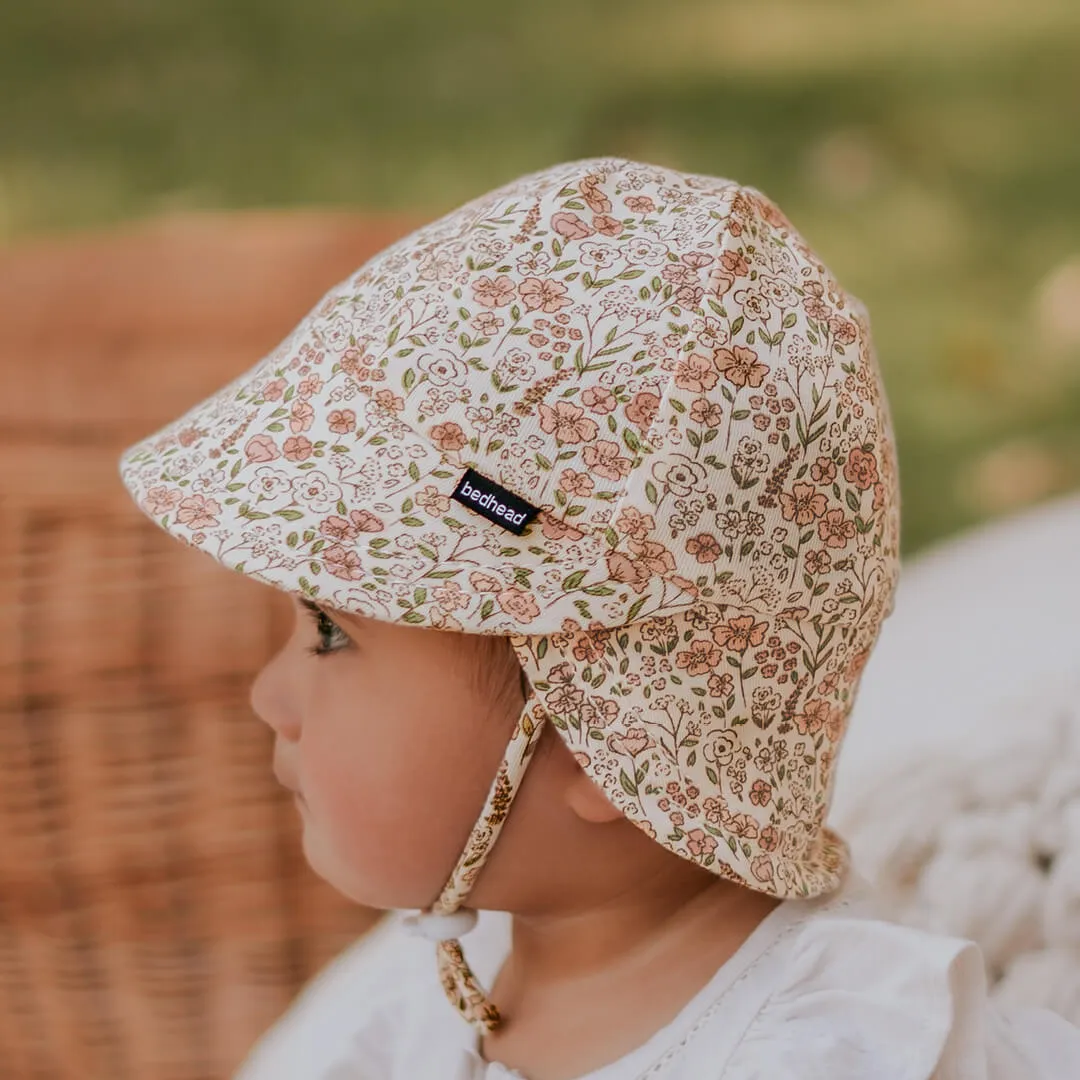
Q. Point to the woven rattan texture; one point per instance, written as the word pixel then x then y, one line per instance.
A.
pixel 155 911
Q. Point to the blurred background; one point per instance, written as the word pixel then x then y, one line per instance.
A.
pixel 928 149
pixel 181 179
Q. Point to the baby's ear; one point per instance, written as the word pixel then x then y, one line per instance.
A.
pixel 586 799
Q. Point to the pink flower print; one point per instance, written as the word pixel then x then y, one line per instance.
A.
pixel 704 547
pixel 762 869
pixel 835 723
pixel 609 226
pixel 740 366
pixel 635 741
pixel 715 810
pixel 634 523
pixel 700 657
pixel 627 571
pixel 450 596
pixel 697 259
pixel 639 204
pixel 679 274
pixel 482 582
pixel 818 562
pixel 198 512
pixel 594 198
pixel 823 471
pixel 735 264
pixel 600 712
pixel 700 842
pixel 160 500
pixel 603 458
pixel 309 386
pixel 571 226
pixel 261 448
pixel 497 292
pixel 843 332
pixel 576 483
pixel 366 521
pixel 740 633
pixel 342 421
pixel 298 448
pixel 599 399
pixel 555 528
pixel 772 213
pixel 272 391
pixel 646 559
pixel 567 422
pixel 710 333
pixel 542 294
pixel 802 504
pixel 816 309
pixel 760 793
pixel 564 699
pixel 835 529
pixel 706 413
pixel 720 282
pixel 769 839
pixel 343 563
pixel 813 718
pixel 337 528
pixel 642 408
pixel 721 685
pixel 433 501
pixel 743 825
pixel 188 436
pixel 695 372
pixel 448 436
pixel 518 603
pixel 386 399
pixel 487 323
pixel 301 417
pixel 861 468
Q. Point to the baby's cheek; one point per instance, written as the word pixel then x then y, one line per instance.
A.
pixel 376 837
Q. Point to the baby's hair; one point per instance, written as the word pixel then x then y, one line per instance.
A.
pixel 495 673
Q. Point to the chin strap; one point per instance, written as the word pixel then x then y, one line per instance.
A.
pixel 448 920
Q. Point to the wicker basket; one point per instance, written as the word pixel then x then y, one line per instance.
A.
pixel 155 912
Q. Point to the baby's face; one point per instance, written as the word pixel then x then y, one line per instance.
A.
pixel 390 741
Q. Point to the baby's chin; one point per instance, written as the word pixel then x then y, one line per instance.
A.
pixel 367 888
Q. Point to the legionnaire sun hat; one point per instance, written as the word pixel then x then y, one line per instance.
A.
pixel 626 417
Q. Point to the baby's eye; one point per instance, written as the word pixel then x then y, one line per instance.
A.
pixel 331 637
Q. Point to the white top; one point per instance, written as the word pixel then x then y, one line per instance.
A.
pixel 821 989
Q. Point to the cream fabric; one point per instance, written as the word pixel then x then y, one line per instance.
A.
pixel 821 991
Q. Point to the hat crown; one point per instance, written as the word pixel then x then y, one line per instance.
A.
pixel 648 357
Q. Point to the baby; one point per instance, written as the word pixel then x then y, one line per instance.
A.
pixel 586 495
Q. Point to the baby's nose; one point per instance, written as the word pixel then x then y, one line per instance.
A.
pixel 272 700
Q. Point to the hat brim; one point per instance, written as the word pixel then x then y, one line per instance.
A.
pixel 346 503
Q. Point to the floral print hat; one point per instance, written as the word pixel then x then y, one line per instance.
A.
pixel 626 417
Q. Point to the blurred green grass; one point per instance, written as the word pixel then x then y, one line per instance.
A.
pixel 929 150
